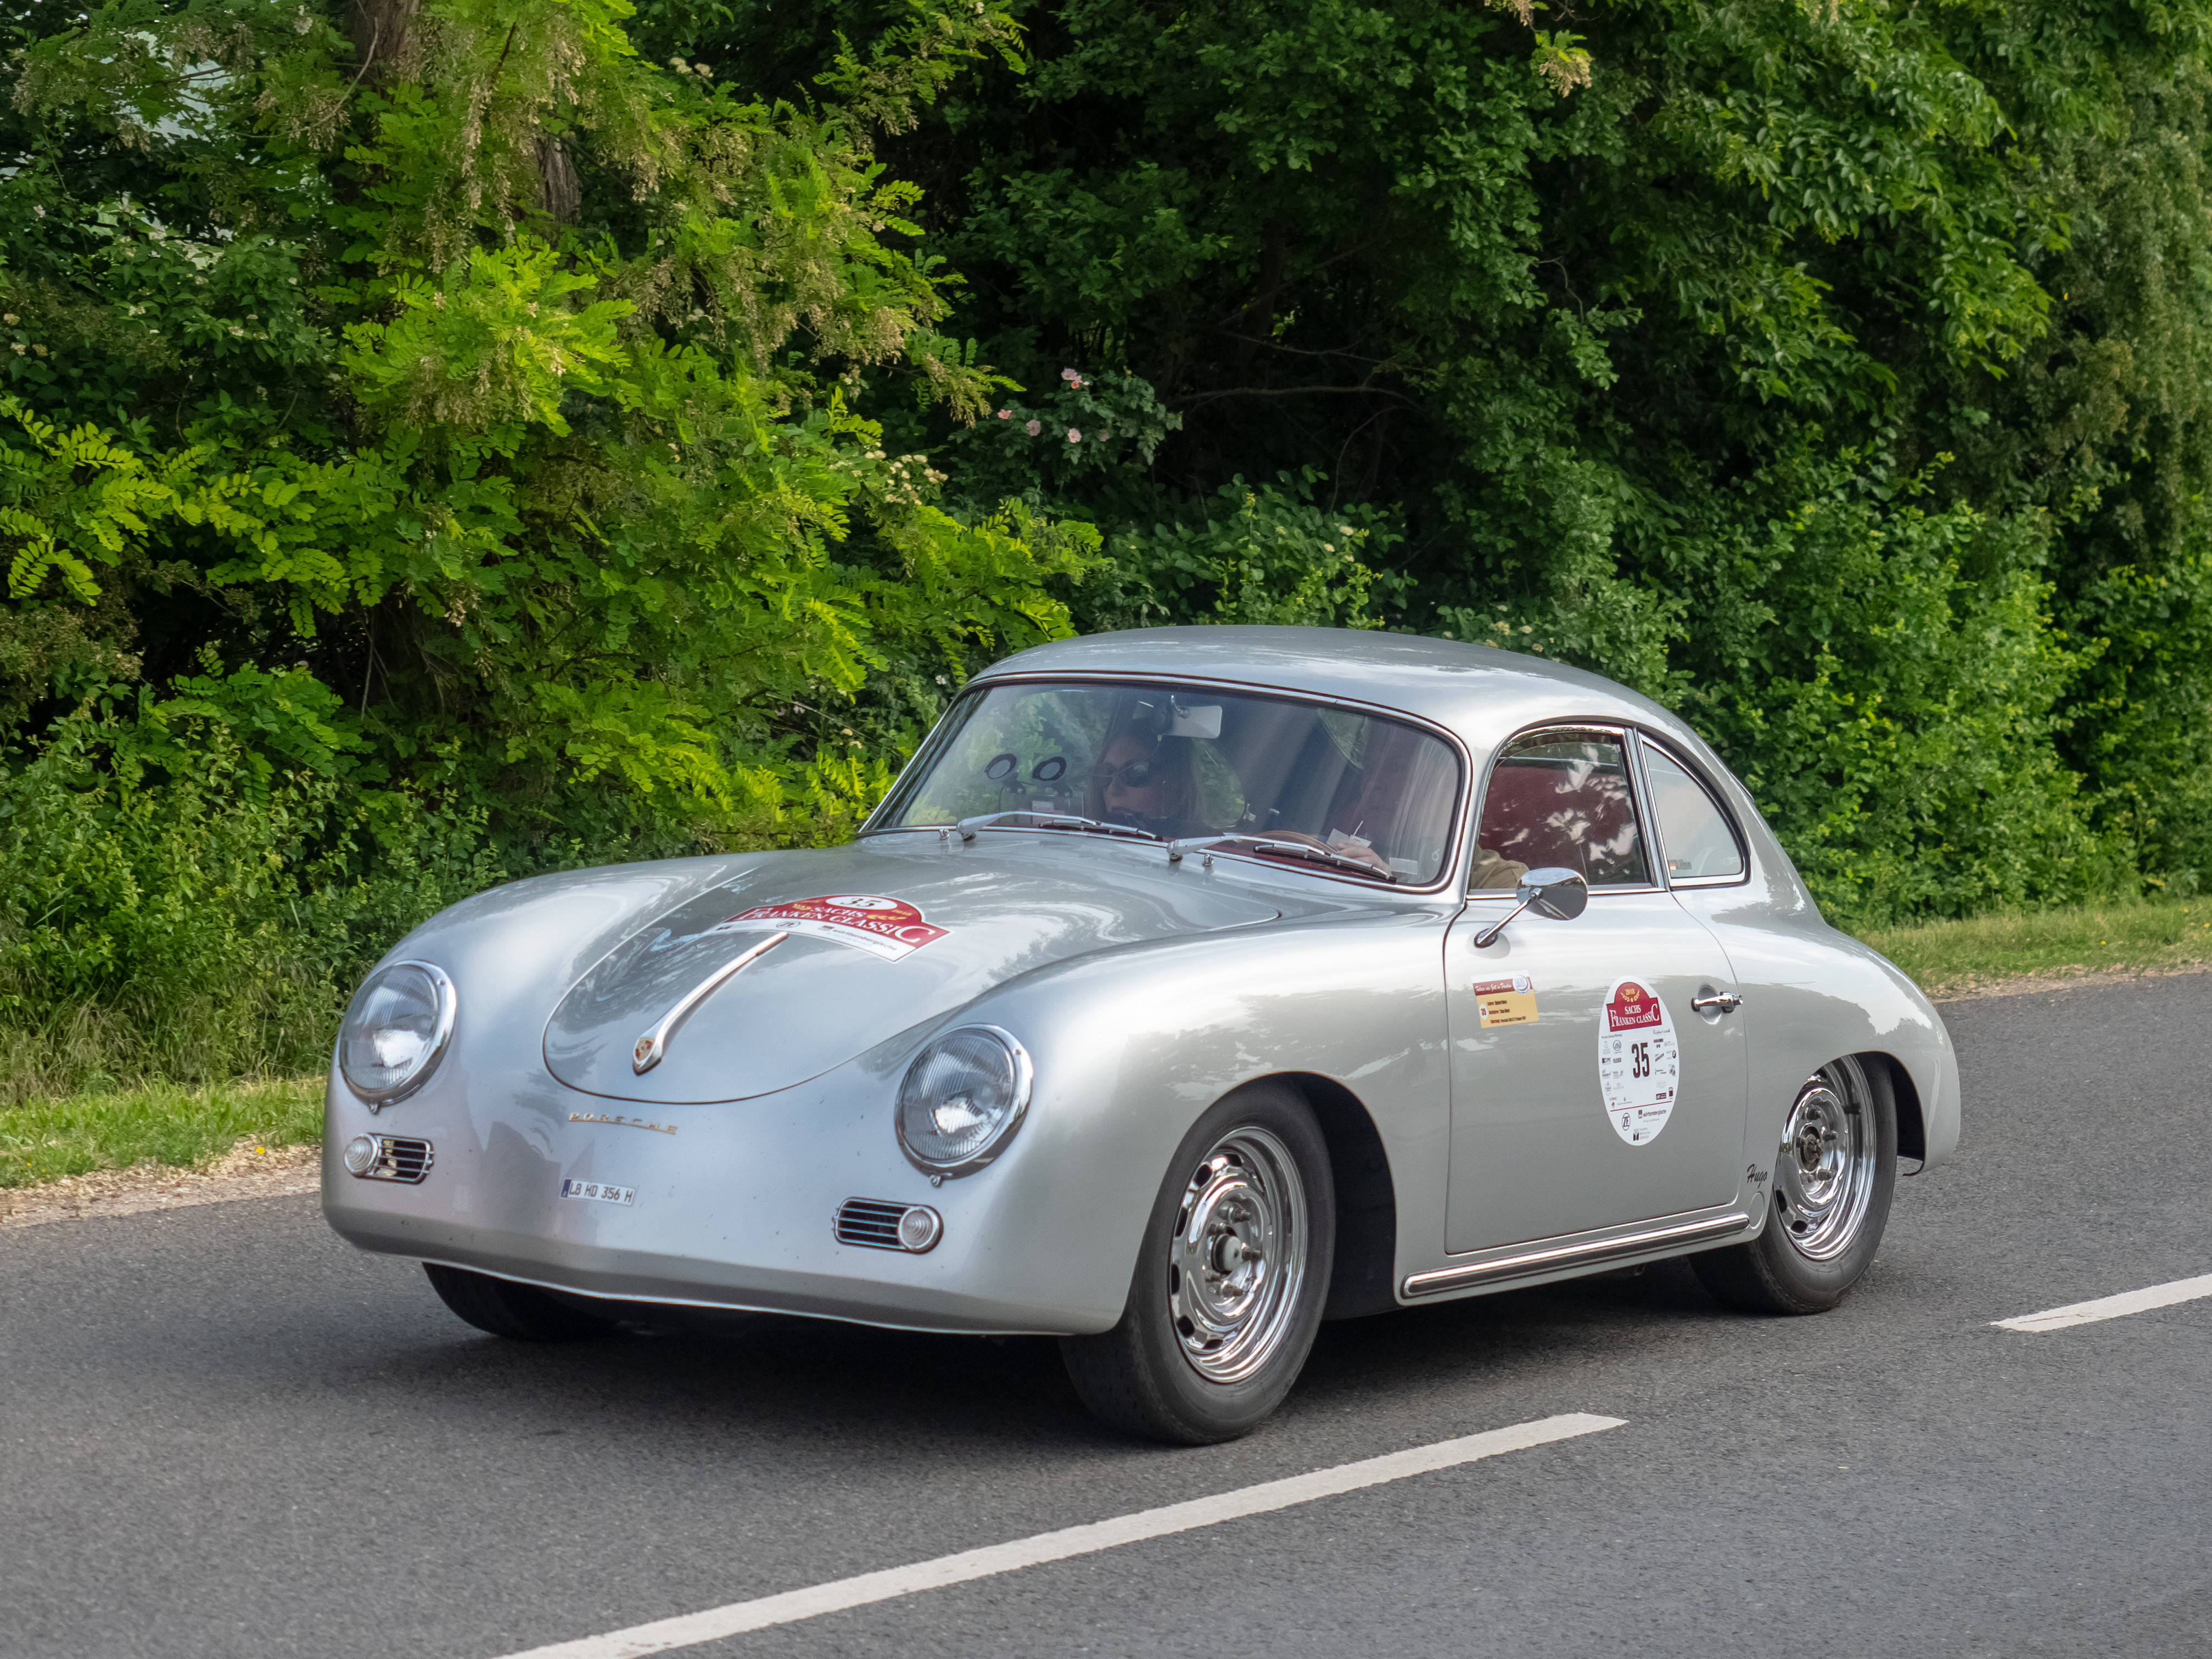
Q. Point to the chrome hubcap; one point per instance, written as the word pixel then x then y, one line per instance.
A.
pixel 1238 1257
pixel 1824 1175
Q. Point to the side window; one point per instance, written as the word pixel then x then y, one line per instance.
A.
pixel 1560 797
pixel 1691 826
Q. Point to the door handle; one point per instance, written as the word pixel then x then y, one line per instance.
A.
pixel 1720 1002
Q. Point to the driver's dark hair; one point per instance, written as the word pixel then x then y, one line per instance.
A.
pixel 1178 770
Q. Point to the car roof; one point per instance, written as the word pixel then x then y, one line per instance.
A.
pixel 1482 693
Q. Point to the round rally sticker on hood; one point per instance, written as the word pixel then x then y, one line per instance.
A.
pixel 1638 1065
pixel 887 927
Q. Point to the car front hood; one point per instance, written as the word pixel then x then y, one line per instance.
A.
pixel 879 936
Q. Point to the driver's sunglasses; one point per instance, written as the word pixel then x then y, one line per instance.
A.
pixel 1133 774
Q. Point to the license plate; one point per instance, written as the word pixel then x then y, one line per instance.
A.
pixel 604 1192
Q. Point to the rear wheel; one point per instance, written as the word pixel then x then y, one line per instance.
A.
pixel 1833 1176
pixel 521 1312
pixel 1230 1282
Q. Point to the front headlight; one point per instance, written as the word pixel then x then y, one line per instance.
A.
pixel 963 1098
pixel 401 1019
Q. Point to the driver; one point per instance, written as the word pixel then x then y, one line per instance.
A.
pixel 1147 783
pixel 1152 783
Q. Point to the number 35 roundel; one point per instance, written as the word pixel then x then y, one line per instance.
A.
pixel 1638 1065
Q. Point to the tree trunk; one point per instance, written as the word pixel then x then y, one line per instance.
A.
pixel 1257 324
pixel 380 30
pixel 559 191
pixel 382 34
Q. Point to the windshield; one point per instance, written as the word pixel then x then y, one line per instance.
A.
pixel 1178 762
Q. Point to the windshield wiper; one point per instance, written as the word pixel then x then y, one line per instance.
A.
pixel 1295 848
pixel 967 827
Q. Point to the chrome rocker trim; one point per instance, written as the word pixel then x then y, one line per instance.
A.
pixel 1440 1279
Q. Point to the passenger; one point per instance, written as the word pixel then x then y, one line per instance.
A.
pixel 1367 827
pixel 1492 871
pixel 1402 811
pixel 1489 870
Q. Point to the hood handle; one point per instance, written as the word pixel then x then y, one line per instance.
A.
pixel 654 1044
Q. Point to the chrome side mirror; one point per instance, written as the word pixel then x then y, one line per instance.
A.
pixel 1558 893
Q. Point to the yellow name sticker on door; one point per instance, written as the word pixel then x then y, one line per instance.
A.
pixel 1505 1001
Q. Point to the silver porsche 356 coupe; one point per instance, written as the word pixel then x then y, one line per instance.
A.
pixel 1191 987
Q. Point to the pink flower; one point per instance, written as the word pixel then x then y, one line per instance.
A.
pixel 1071 375
pixel 1005 414
pixel 1033 428
pixel 1073 436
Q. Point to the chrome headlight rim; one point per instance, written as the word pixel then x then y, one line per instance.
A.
pixel 1025 1084
pixel 441 1035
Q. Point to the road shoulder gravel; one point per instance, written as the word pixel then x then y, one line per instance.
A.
pixel 1970 988
pixel 247 1171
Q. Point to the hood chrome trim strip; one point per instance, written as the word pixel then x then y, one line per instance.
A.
pixel 654 1044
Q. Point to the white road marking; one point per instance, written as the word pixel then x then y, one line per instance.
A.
pixel 793 1606
pixel 2110 1307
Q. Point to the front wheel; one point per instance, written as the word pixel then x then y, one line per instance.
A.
pixel 1833 1176
pixel 522 1312
pixel 1230 1282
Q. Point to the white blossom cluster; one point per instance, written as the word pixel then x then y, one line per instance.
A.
pixel 910 474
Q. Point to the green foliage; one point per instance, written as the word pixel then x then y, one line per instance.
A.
pixel 1635 357
pixel 590 428
pixel 429 451
pixel 169 908
pixel 1886 678
pixel 546 470
pixel 1265 554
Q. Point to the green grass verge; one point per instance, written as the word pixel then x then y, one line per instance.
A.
pixel 175 1124
pixel 1948 956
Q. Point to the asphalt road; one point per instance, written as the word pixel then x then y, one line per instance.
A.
pixel 223 1432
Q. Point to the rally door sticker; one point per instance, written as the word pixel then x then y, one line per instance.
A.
pixel 1638 1065
pixel 886 927
pixel 1504 1001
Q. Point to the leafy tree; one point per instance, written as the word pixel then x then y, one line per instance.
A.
pixel 431 449
pixel 440 440
pixel 502 378
pixel 1905 303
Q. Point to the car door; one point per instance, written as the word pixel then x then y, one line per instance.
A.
pixel 1588 1092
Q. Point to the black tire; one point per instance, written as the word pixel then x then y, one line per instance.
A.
pixel 1148 1376
pixel 522 1312
pixel 1809 1256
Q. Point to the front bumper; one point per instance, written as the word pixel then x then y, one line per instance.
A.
pixel 734 1205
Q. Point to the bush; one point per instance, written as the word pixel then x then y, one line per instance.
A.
pixel 201 921
pixel 1884 675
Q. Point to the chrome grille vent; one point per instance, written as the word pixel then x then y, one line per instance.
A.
pixel 870 1221
pixel 880 1224
pixel 400 1157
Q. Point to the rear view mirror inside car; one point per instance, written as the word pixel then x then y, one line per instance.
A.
pixel 1203 721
